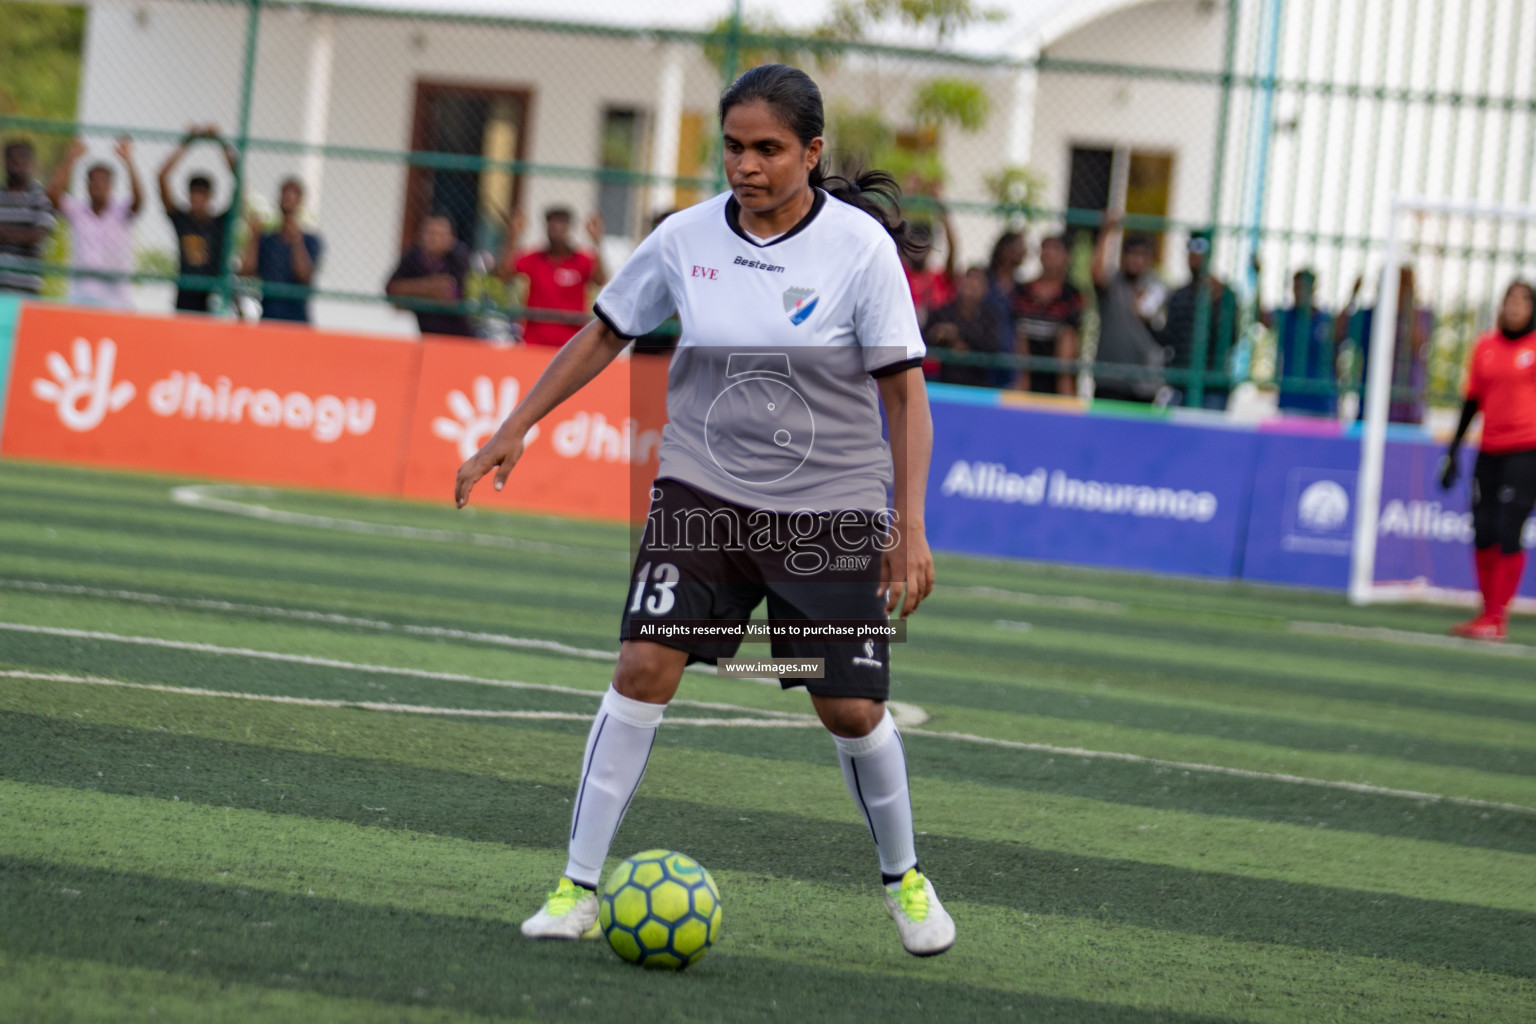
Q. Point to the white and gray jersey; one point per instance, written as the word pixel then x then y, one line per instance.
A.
pixel 771 397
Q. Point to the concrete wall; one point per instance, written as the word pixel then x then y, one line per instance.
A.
pixel 1153 114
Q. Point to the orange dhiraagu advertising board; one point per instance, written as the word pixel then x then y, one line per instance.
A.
pixel 201 397
pixel 586 458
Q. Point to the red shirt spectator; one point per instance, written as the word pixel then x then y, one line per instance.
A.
pixel 557 275
pixel 554 283
pixel 931 288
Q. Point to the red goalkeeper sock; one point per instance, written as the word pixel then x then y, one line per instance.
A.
pixel 1510 569
pixel 1489 576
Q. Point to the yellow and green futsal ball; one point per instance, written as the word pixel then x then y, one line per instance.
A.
pixel 660 909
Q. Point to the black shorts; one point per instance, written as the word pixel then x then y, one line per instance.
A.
pixel 702 559
pixel 1503 494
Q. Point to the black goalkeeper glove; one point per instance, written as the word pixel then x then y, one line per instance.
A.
pixel 1450 470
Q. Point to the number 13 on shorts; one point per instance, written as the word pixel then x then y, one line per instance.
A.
pixel 660 583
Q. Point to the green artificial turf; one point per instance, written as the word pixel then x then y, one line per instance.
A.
pixel 183 838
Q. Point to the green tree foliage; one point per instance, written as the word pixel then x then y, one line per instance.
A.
pixel 853 19
pixel 40 48
pixel 860 137
pixel 1016 190
pixel 763 39
pixel 957 101
pixel 864 138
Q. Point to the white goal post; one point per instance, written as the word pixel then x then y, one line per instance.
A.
pixel 1363 586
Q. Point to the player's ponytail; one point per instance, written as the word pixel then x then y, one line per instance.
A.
pixel 794 97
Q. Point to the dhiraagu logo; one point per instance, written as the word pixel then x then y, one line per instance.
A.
pixel 83 392
pixel 474 421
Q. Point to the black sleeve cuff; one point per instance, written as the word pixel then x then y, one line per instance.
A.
pixel 894 368
pixel 613 327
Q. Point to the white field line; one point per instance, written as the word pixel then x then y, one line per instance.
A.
pixel 209 497
pixel 789 719
pixel 803 722
pixel 303 615
pixel 352 666
pixel 332 619
pixel 1082 604
pixel 1403 636
pixel 1244 773
pixel 218 498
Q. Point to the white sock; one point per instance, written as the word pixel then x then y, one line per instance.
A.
pixel 875 768
pixel 617 749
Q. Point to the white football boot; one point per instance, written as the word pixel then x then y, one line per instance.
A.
pixel 570 912
pixel 926 928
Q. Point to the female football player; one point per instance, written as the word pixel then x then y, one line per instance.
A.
pixel 797 325
pixel 1501 383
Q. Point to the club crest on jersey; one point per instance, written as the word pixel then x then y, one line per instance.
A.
pixel 798 304
pixel 1524 360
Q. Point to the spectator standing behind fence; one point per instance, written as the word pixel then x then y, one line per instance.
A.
pixel 1007 257
pixel 930 288
pixel 971 323
pixel 200 233
pixel 26 221
pixel 558 275
pixel 433 270
pixel 101 228
pixel 1178 333
pixel 1131 357
pixel 1410 348
pixel 1307 349
pixel 1003 270
pixel 1048 316
pixel 288 256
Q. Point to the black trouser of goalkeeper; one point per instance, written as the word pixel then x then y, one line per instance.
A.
pixel 1503 494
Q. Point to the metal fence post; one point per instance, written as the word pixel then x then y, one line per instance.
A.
pixel 730 67
pixel 236 214
pixel 1200 343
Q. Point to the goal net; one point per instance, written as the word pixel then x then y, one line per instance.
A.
pixel 1447 265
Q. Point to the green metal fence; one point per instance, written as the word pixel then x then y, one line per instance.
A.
pixel 1275 129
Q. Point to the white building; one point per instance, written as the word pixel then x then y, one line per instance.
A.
pixel 526 83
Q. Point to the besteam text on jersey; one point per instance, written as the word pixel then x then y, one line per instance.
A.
pixel 772 268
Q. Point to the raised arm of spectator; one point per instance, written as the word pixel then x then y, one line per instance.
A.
pixel 1107 228
pixel 1346 312
pixel 58 185
pixel 231 154
pixel 254 228
pixel 167 200
pixel 595 232
pixel 124 151
pixel 951 245
pixel 506 267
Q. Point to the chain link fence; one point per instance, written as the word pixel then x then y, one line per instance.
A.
pixel 1249 143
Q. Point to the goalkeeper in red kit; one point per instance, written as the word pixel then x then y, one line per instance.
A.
pixel 1501 384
